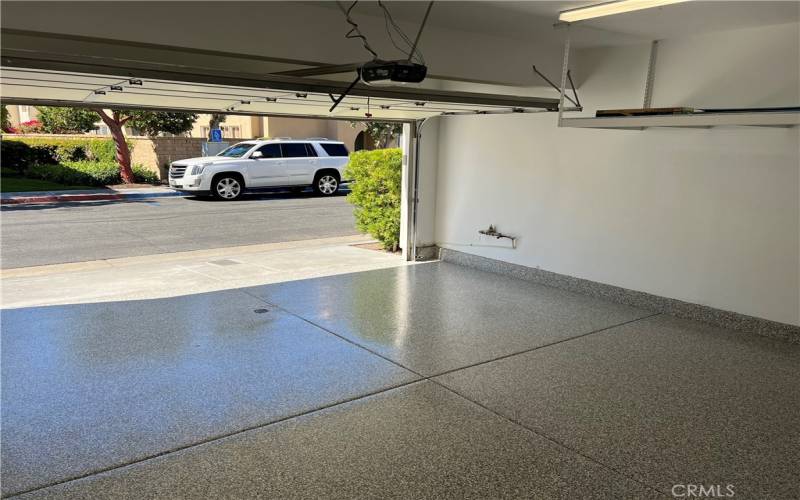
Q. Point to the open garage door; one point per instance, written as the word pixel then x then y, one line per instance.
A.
pixel 64 70
pixel 40 68
pixel 239 94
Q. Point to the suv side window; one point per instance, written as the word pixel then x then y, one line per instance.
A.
pixel 334 149
pixel 294 150
pixel 271 151
pixel 310 149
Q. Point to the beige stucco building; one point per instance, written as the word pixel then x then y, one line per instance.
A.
pixel 21 114
pixel 249 127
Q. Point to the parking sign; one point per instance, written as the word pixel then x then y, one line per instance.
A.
pixel 216 135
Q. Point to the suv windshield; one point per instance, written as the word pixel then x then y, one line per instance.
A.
pixel 237 150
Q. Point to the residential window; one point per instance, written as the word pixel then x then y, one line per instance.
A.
pixel 230 131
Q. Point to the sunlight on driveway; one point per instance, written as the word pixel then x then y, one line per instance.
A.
pixel 184 273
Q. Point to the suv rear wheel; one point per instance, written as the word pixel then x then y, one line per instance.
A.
pixel 326 183
pixel 227 187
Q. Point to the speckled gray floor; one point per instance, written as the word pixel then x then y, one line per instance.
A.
pixel 438 316
pixel 419 441
pixel 667 401
pixel 540 394
pixel 93 386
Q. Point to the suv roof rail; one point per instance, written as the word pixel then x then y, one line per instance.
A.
pixel 274 138
pixel 318 139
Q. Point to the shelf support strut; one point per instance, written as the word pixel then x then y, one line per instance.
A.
pixel 651 75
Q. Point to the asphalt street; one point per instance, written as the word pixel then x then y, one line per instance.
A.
pixel 36 235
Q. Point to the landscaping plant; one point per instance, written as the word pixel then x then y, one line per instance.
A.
pixel 5 121
pixel 57 120
pixel 87 173
pixel 69 161
pixel 375 193
pixel 30 127
pixel 29 150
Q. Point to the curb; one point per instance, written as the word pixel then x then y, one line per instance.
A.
pixel 63 198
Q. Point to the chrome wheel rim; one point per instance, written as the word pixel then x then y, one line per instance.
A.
pixel 228 188
pixel 327 184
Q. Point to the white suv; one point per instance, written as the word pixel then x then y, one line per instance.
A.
pixel 315 162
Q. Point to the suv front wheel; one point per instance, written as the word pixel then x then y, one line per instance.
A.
pixel 326 183
pixel 227 187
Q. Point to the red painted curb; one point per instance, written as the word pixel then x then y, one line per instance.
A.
pixel 61 198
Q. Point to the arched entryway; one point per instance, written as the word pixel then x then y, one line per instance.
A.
pixel 359 142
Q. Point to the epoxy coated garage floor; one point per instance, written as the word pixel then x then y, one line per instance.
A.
pixel 424 381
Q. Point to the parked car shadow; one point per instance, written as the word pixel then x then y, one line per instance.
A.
pixel 69 204
pixel 271 195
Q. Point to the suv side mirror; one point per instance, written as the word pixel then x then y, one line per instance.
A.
pixel 256 155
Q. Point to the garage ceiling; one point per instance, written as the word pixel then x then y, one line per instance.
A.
pixel 234 68
pixel 82 47
pixel 69 70
pixel 534 19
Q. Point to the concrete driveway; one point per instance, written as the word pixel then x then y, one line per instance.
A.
pixel 192 272
pixel 35 235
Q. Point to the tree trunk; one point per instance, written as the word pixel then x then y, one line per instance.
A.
pixel 123 154
pixel 115 126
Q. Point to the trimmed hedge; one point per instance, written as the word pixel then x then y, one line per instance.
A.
pixel 87 173
pixel 70 160
pixel 375 193
pixel 17 155
pixel 20 152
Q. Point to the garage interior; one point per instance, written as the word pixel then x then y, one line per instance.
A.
pixel 591 307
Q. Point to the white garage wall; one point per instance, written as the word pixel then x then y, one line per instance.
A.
pixel 709 216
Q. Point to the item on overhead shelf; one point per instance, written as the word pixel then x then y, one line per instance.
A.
pixel 644 112
pixel 780 109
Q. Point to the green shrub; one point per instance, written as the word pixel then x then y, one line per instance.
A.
pixel 145 175
pixel 61 174
pixel 54 150
pixel 105 150
pixel 79 172
pixel 87 173
pixel 375 193
pixel 58 120
pixel 15 155
pixel 70 160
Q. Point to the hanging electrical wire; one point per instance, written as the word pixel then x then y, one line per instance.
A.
pixel 354 31
pixel 392 25
pixel 421 28
pixel 380 72
pixel 412 51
